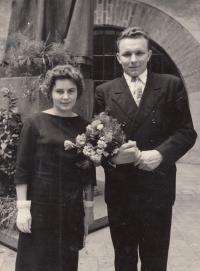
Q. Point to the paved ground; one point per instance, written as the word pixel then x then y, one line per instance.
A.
pixel 184 254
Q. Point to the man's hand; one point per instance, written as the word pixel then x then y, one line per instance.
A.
pixel 149 160
pixel 128 153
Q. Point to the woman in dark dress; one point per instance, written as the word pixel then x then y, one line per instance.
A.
pixel 51 212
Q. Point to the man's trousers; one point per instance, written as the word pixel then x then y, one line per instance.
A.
pixel 140 230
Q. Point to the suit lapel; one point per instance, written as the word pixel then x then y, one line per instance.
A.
pixel 151 95
pixel 122 96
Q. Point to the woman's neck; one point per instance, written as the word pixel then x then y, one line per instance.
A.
pixel 53 111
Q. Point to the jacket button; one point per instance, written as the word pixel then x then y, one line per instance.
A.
pixel 152 142
pixel 153 121
pixel 123 124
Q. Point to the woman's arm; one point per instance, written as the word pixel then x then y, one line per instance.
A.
pixel 21 191
pixel 90 182
pixel 25 153
pixel 88 207
pixel 89 192
pixel 23 173
pixel 23 206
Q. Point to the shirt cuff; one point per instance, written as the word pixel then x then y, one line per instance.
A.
pixel 113 165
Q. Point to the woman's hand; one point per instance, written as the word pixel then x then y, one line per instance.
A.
pixel 24 216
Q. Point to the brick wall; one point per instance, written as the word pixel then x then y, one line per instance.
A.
pixel 182 47
pixel 186 12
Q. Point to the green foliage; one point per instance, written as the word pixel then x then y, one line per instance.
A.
pixel 38 54
pixel 8 213
pixel 10 127
pixel 32 57
pixel 25 50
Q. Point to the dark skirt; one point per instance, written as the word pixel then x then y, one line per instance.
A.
pixel 56 237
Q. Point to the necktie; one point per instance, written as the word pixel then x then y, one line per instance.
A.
pixel 136 89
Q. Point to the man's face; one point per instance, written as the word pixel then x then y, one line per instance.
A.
pixel 133 55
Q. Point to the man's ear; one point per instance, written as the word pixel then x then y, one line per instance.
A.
pixel 149 54
pixel 118 58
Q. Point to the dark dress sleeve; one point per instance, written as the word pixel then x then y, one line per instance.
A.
pixel 25 153
pixel 89 176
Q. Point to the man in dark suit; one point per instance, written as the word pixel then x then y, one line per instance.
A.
pixel 140 179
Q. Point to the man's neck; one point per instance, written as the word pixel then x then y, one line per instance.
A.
pixel 142 75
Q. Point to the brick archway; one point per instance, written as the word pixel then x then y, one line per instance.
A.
pixel 178 43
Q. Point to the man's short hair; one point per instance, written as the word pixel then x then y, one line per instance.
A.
pixel 133 33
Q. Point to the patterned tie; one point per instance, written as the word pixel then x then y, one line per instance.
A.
pixel 136 89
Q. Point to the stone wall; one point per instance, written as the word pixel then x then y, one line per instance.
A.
pixel 40 102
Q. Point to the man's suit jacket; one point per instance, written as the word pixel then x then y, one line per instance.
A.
pixel 162 122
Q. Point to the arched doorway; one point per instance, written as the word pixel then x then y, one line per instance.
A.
pixel 105 64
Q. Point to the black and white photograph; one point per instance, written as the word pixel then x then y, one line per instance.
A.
pixel 99 125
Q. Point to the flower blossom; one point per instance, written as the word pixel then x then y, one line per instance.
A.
pixel 95 123
pixel 105 153
pixel 101 144
pixel 88 150
pixel 90 130
pixel 99 151
pixel 68 145
pixel 115 151
pixel 100 127
pixel 80 140
pixel 96 158
pixel 103 137
pixel 108 137
pixel 104 117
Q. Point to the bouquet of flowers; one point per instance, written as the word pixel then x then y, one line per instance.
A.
pixel 103 137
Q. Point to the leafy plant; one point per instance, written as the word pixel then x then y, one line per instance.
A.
pixel 30 87
pixel 10 127
pixel 8 213
pixel 36 56
pixel 32 53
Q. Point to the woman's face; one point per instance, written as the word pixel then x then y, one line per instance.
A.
pixel 64 95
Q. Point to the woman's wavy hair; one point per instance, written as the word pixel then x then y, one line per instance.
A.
pixel 62 72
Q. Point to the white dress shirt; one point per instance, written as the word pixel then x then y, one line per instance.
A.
pixel 143 80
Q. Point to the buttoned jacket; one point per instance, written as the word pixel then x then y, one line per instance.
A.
pixel 162 122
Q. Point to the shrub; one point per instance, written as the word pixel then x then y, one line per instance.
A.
pixel 32 58
pixel 8 213
pixel 10 128
pixel 38 54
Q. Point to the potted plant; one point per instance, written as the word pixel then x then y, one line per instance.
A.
pixel 29 58
pixel 33 57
